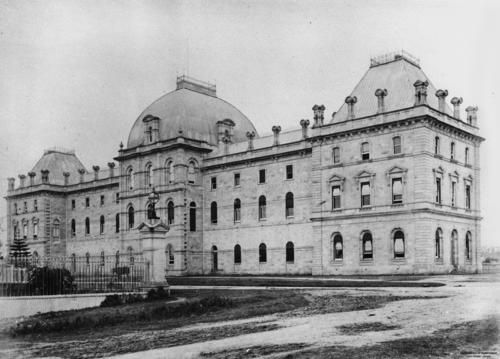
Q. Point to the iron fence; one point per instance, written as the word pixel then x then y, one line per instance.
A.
pixel 75 274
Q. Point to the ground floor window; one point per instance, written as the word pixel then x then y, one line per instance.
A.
pixel 290 255
pixel 262 253
pixel 399 244
pixel 237 254
pixel 367 245
pixel 338 247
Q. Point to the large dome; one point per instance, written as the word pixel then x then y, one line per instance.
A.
pixel 194 110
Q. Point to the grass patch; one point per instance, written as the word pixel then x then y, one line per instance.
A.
pixel 353 329
pixel 458 341
pixel 256 351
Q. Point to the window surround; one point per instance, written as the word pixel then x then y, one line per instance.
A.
pixel 468 182
pixel 468 247
pixel 393 246
pixel 438 173
pixel 361 247
pixel 397 136
pixel 336 237
pixel 454 177
pixel 438 235
pixel 336 181
pixel 237 179
pixel 365 155
pixel 287 172
pixel 363 177
pixel 394 173
pixel 262 176
pixel 336 159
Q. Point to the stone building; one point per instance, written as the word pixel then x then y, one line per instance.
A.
pixel 389 184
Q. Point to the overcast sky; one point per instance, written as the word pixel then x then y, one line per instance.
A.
pixel 76 74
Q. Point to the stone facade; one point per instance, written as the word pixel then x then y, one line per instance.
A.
pixel 389 185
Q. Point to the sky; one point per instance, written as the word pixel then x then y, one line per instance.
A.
pixel 76 74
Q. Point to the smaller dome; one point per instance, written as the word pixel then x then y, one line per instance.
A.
pixel 57 161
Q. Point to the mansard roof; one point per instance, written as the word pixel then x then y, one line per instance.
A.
pixel 58 161
pixel 397 73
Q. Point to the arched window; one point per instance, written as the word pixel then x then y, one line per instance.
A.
pixel 25 230
pixel 16 231
pixel 117 223
pixel 150 134
pixel 192 217
pixel 170 176
pixel 191 172
pixel 437 145
pixel 237 254
pixel 452 151
pixel 101 225
pixel 338 247
pixel 170 212
pixel 399 244
pixel 262 253
pixel 396 145
pixel 131 217
pixel 55 229
pixel 73 228
pixel 367 245
pixel 262 207
pixel 468 246
pixel 130 178
pixel 213 212
pixel 149 175
pixel 87 226
pixel 35 229
pixel 170 254
pixel 438 244
pixel 290 252
pixel 289 204
pixel 130 254
pixel 466 155
pixel 237 210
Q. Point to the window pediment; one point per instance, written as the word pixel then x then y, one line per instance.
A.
pixel 337 180
pixel 454 174
pixel 438 171
pixel 468 179
pixel 396 171
pixel 364 176
pixel 34 220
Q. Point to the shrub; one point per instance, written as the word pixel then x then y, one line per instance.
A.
pixel 158 293
pixel 112 301
pixel 46 280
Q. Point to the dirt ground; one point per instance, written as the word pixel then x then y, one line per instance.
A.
pixel 457 320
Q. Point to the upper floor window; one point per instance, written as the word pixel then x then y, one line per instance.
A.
pixel 170 212
pixel 15 208
pixel 73 204
pixel 367 246
pixel 262 207
pixel 237 210
pixel 397 190
pixel 102 200
pixel 289 172
pixel 338 247
pixel 192 217
pixel 396 144
pixel 130 179
pixel 453 193
pixel 213 212
pixel 101 225
pixel 150 134
pixel 452 151
pixel 35 205
pixel 262 176
pixel 55 229
pixel 438 190
pixel 131 217
pixel 336 203
pixel 467 160
pixel 87 226
pixel 365 151
pixel 213 183
pixel 25 230
pixel 117 197
pixel 399 244
pixel 289 205
pixel 25 207
pixel 35 230
pixel 169 172
pixel 467 196
pixel 191 172
pixel 437 145
pixel 117 223
pixel 365 194
pixel 87 202
pixel 73 228
pixel 170 254
pixel 236 179
pixel 336 155
pixel 149 175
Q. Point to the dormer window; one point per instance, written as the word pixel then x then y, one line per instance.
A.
pixel 151 124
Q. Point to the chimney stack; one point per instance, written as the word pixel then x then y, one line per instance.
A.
pixel 250 136
pixel 276 132
pixel 96 172
pixel 380 93
pixel 32 178
pixel 319 115
pixel 111 166
pixel 456 102
pixel 66 178
pixel 22 181
pixel 11 183
pixel 304 124
pixel 471 115
pixel 350 101
pixel 441 95
pixel 226 141
pixel 420 92
pixel 81 171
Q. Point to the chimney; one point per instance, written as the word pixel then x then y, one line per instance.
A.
pixel 456 101
pixel 304 124
pixel 22 181
pixel 350 101
pixel 276 132
pixel 45 176
pixel 471 115
pixel 11 183
pixel 96 172
pixel 32 178
pixel 380 93
pixel 420 92
pixel 319 115
pixel 81 171
pixel 250 136
pixel 441 95
pixel 226 141
pixel 111 166
pixel 66 178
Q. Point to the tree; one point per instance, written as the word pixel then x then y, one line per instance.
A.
pixel 19 251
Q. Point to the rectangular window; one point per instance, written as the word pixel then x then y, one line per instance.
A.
pixel 336 155
pixel 213 183
pixel 289 172
pixel 236 179
pixel 397 190
pixel 453 194
pixel 335 197
pixel 467 196
pixel 262 176
pixel 73 204
pixel 35 205
pixel 25 207
pixel 102 200
pixel 365 151
pixel 117 197
pixel 365 194
pixel 438 190
pixel 87 202
pixel 396 141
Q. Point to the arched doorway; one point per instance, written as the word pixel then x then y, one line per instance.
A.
pixel 214 259
pixel 454 249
